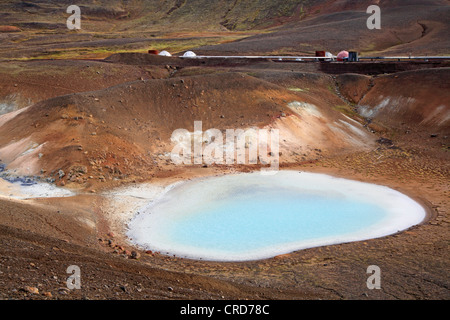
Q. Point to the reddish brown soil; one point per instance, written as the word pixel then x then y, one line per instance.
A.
pixel 419 27
pixel 9 29
pixel 414 104
pixel 133 121
pixel 119 132
pixel 354 86
pixel 108 124
pixel 413 262
pixel 25 83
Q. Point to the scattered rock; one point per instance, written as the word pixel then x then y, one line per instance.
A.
pixel 283 256
pixel 135 255
pixel 8 29
pixel 385 141
pixel 32 290
pixel 79 169
pixel 63 291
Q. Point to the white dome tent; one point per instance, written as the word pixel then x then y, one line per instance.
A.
pixel 329 56
pixel 189 54
pixel 165 53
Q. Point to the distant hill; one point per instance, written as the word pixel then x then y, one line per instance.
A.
pixel 150 14
pixel 416 27
pixel 222 26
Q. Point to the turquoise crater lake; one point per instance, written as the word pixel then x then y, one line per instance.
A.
pixel 253 216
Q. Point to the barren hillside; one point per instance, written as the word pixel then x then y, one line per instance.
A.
pixel 38 29
pixel 128 127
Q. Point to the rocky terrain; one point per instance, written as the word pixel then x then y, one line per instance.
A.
pixel 38 29
pixel 91 112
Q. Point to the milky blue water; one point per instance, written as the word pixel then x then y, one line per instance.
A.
pixel 248 221
pixel 251 216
